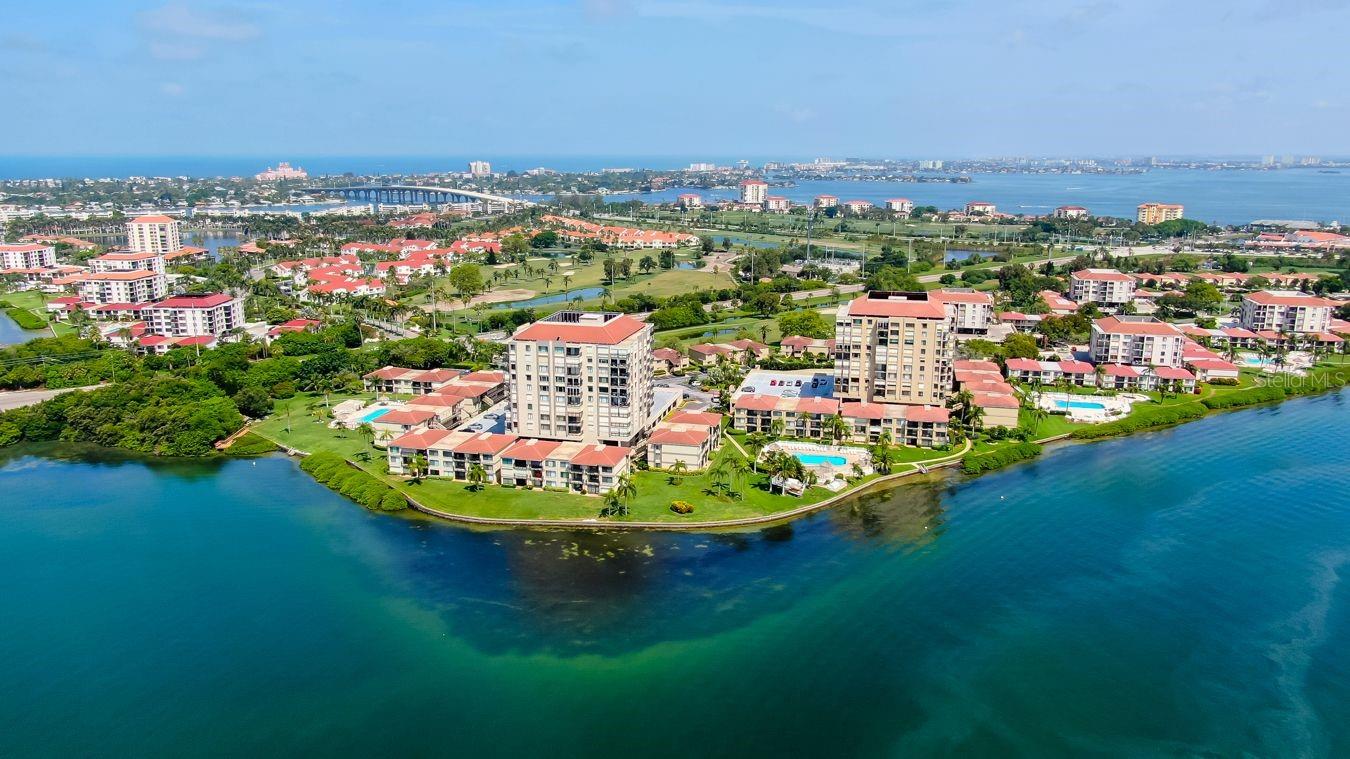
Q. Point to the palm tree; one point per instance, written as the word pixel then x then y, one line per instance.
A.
pixel 417 467
pixel 838 428
pixel 776 428
pixel 755 442
pixel 477 477
pixel 626 489
pixel 366 432
pixel 739 469
pixel 677 471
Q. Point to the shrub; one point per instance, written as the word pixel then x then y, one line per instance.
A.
pixel 1226 381
pixel 682 507
pixel 1248 397
pixel 999 458
pixel 1148 417
pixel 333 471
pixel 25 319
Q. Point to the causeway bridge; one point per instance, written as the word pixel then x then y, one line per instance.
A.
pixel 408 194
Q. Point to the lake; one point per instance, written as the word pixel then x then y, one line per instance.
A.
pixel 1179 593
pixel 12 334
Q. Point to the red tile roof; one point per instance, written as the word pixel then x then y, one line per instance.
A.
pixel 706 418
pixel 887 307
pixel 757 402
pixel 405 416
pixel 488 442
pixel 420 439
pixel 1102 275
pixel 612 332
pixel 680 435
pixel 861 410
pixel 1112 324
pixel 926 414
pixel 600 455
pixel 1269 298
pixel 530 450
pixel 195 301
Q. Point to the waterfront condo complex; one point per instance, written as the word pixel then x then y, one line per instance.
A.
pixel 1105 287
pixel 581 377
pixel 1286 311
pixel 1136 341
pixel 894 348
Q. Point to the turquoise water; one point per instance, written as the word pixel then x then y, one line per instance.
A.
pixel 1180 593
pixel 1079 404
pixel 376 414
pixel 815 459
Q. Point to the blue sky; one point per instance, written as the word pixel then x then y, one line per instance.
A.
pixel 678 77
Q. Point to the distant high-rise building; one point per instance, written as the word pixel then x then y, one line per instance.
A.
pixel 479 169
pixel 282 171
pixel 702 167
pixel 930 165
pixel 1156 213
pixel 154 234
pixel 754 191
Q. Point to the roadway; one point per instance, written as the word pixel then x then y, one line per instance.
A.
pixel 19 398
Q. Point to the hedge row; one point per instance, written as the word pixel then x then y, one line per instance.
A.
pixel 249 444
pixel 999 458
pixel 1248 397
pixel 334 471
pixel 1146 418
pixel 25 319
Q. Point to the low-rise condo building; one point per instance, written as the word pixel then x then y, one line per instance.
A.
pixel 1070 212
pixel 26 256
pixel 1136 341
pixel 1286 311
pixel 981 208
pixel 900 205
pixel 137 286
pixel 1157 213
pixel 971 311
pixel 124 261
pixel 216 314
pixel 581 377
pixel 1105 287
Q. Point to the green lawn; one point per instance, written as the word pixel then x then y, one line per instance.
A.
pixel 34 302
pixel 306 430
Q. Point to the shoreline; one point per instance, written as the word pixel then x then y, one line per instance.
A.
pixel 884 482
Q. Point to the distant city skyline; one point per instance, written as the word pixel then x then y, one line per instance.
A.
pixel 945 80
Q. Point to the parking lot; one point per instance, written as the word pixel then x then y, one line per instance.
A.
pixel 800 383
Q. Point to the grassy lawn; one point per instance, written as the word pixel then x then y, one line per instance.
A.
pixel 308 431
pixel 33 302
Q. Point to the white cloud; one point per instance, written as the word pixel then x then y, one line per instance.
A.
pixel 179 19
pixel 172 89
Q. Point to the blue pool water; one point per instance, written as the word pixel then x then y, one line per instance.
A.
pixel 816 459
pixel 1080 404
pixel 1253 361
pixel 376 414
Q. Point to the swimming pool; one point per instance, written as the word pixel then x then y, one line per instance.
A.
pixel 376 414
pixel 1254 361
pixel 1079 404
pixel 816 459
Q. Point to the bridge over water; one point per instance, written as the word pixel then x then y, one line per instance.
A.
pixel 408 194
